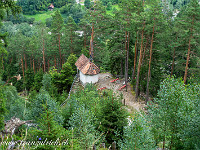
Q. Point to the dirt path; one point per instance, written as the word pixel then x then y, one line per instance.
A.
pixel 104 81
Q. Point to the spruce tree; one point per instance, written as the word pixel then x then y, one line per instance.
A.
pixel 49 130
pixel 112 117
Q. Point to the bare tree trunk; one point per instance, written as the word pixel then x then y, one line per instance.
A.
pixel 25 61
pixel 44 65
pixel 38 64
pixel 135 59
pixel 91 42
pixel 144 49
pixel 34 65
pixel 126 60
pixel 139 66
pixel 30 61
pixel 188 55
pixel 149 72
pixel 63 60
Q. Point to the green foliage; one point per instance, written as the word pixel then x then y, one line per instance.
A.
pixel 72 60
pixel 6 5
pixel 112 117
pixel 46 82
pixel 87 4
pixel 172 112
pixel 85 52
pixel 29 79
pixel 49 130
pixel 75 11
pixel 137 134
pixel 44 98
pixel 2 108
pixel 15 105
pixel 69 109
pixel 82 122
pixel 109 6
pixel 38 80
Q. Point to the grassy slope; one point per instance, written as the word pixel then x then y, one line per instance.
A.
pixel 44 15
pixel 41 17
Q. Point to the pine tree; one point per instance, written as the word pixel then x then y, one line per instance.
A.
pixel 191 22
pixel 70 33
pixel 56 27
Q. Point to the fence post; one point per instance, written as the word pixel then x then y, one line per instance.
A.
pixel 94 147
pixel 113 146
pixel 103 145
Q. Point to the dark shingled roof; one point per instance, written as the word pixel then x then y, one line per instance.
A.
pixel 86 66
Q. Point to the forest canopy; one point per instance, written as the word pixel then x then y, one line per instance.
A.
pixel 150 47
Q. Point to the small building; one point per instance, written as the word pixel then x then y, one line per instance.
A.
pixel 88 71
pixel 51 7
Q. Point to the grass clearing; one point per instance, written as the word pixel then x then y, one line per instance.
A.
pixel 42 16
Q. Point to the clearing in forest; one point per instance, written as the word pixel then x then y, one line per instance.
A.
pixel 129 97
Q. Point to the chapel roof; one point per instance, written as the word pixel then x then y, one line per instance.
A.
pixel 86 66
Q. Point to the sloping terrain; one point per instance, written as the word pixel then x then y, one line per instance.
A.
pixel 104 81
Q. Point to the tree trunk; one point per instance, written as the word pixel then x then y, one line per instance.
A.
pixel 91 42
pixel 44 65
pixel 30 61
pixel 25 61
pixel 139 66
pixel 135 60
pixel 126 60
pixel 11 60
pixel 34 65
pixel 188 55
pixel 144 49
pixel 60 52
pixel 38 64
pixel 63 60
pixel 149 72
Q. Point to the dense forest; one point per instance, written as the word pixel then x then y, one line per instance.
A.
pixel 152 45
